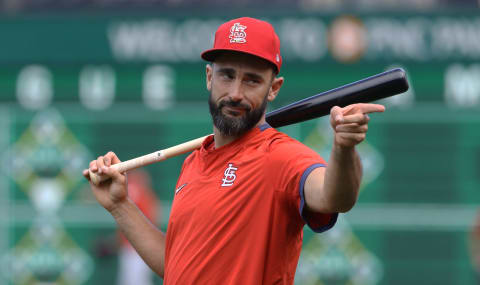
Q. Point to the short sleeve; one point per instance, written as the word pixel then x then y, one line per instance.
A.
pixel 293 162
pixel 318 222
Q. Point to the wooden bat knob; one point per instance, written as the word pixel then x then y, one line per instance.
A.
pixel 95 178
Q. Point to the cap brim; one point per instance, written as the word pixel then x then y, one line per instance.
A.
pixel 211 54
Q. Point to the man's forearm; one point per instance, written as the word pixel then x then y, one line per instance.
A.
pixel 145 237
pixel 342 178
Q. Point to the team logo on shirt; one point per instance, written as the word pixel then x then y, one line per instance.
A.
pixel 238 34
pixel 230 175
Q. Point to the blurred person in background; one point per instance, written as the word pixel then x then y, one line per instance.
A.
pixel 475 246
pixel 131 268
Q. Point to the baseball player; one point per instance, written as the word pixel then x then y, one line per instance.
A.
pixel 242 199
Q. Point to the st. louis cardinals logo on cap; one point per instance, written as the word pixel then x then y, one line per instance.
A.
pixel 238 34
pixel 229 175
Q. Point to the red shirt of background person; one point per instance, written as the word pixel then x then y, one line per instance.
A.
pixel 131 268
pixel 475 246
pixel 141 193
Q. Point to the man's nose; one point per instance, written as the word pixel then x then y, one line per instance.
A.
pixel 236 92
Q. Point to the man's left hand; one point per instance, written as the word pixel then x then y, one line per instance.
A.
pixel 350 124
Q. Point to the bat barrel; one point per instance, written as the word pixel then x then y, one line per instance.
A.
pixel 372 88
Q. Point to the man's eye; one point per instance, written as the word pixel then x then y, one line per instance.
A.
pixel 226 76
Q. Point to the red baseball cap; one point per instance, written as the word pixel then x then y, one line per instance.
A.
pixel 247 35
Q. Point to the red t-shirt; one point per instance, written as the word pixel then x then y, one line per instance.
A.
pixel 237 215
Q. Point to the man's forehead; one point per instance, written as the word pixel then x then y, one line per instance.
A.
pixel 236 59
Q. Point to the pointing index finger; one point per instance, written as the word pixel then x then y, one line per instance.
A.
pixel 370 108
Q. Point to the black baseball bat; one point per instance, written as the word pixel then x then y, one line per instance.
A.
pixel 382 85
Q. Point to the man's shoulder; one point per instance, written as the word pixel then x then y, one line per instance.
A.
pixel 192 157
pixel 277 138
pixel 279 142
pixel 285 151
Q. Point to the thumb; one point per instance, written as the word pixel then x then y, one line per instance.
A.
pixel 336 115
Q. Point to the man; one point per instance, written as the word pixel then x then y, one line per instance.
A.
pixel 243 198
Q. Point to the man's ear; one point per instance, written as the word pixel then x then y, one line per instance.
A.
pixel 275 88
pixel 209 73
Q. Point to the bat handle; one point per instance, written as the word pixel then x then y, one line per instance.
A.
pixel 149 159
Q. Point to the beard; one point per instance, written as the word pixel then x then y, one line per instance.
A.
pixel 235 126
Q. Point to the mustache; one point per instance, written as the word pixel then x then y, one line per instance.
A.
pixel 230 103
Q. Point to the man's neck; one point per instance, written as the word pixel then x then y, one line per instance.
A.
pixel 221 139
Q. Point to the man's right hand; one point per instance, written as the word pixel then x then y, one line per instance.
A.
pixel 111 192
